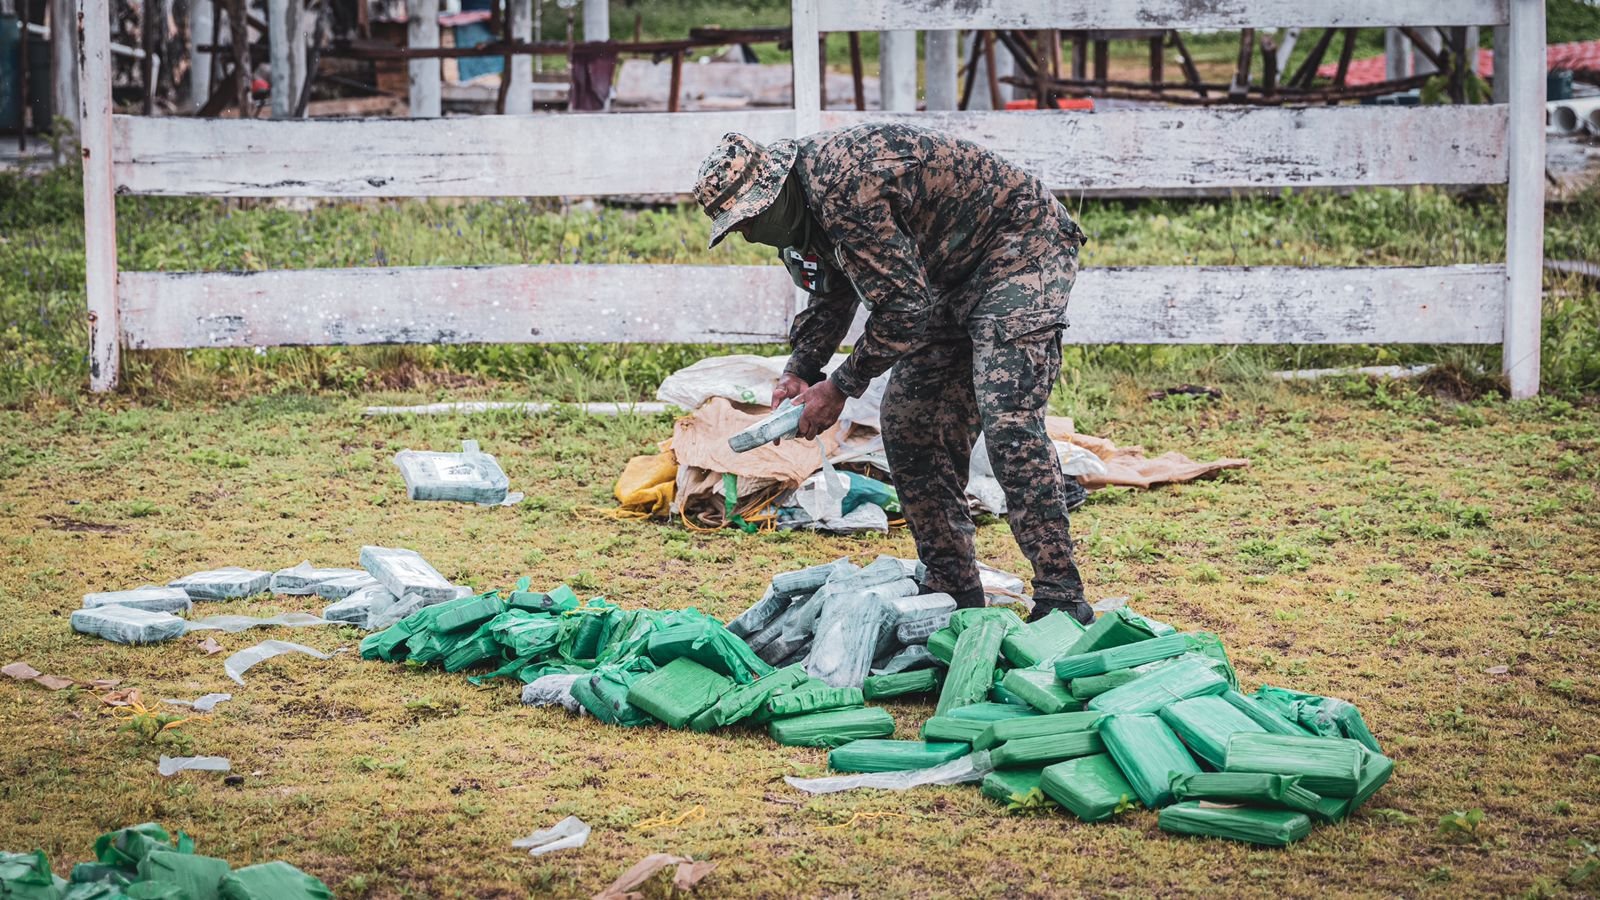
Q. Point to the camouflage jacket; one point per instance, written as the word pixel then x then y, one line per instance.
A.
pixel 936 235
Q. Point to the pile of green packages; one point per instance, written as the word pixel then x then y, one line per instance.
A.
pixel 144 861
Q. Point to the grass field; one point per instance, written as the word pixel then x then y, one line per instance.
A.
pixel 1384 547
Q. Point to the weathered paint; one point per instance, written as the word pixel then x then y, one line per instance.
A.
pixel 1525 200
pixel 99 200
pixel 884 15
pixel 750 304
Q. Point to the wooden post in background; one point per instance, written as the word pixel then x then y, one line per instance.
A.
pixel 1501 86
pixel 1525 198
pixel 93 29
pixel 942 62
pixel 422 31
pixel 201 19
pixel 897 70
pixel 807 70
pixel 280 45
pixel 519 75
pixel 64 62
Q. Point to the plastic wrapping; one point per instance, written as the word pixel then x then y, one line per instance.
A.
pixel 917 681
pixel 1268 719
pixel 846 634
pixel 760 614
pixel 949 728
pixel 470 476
pixel 921 613
pixel 808 580
pixel 387 610
pixel 1035 752
pixel 812 697
pixel 27 876
pixel 553 690
pixel 1253 788
pixel 833 728
pixel 236 665
pixel 356 609
pixel 784 422
pixel 991 712
pixel 127 626
pixel 200 877
pixel 302 580
pixel 941 645
pixel 1208 645
pixel 236 624
pixel 568 834
pixel 967 769
pixel 169 766
pixel 560 599
pixel 1149 754
pixel 746 699
pixel 878 755
pixel 1125 656
pixel 1091 686
pixel 1040 689
pixel 693 635
pixel 1268 827
pixel 148 598
pixel 1176 681
pixel 678 691
pixel 273 881
pixel 1090 787
pixel 972 665
pixel 915 656
pixel 1112 629
pixel 1375 771
pixel 1205 724
pixel 1013 785
pixel 204 703
pixel 228 583
pixel 997 733
pixel 1326 716
pixel 344 585
pixel 1330 767
pixel 404 572
pixel 1040 641
pixel 604 693
pixel 468 613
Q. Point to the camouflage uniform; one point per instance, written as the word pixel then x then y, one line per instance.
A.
pixel 965 263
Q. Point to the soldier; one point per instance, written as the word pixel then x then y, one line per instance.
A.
pixel 964 263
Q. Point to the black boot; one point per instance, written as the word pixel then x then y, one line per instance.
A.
pixel 1077 609
pixel 1076 495
pixel 971 598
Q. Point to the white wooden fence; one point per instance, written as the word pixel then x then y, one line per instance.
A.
pixel 659 153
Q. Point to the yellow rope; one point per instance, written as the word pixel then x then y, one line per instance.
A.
pixel 694 813
pixel 865 817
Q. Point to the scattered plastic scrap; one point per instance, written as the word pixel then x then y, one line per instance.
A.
pixel 470 476
pixel 241 662
pixel 236 624
pixel 203 704
pixel 552 690
pixel 172 765
pixel 969 768
pixel 688 874
pixel 227 583
pixel 568 834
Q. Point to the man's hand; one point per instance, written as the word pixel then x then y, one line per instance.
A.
pixel 823 403
pixel 788 386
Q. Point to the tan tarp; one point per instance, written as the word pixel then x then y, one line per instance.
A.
pixel 700 441
pixel 1129 467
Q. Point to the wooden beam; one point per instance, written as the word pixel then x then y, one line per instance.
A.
pixel 1345 53
pixel 675 83
pixel 1191 73
pixel 1241 72
pixel 422 30
pixel 587 155
pixel 887 15
pixel 1307 72
pixel 1525 198
pixel 519 67
pixel 857 76
pixel 941 69
pixel 99 193
pixel 748 304
pixel 239 38
pixel 991 65
pixel 280 46
pixel 807 67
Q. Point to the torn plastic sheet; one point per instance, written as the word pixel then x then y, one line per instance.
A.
pixel 553 690
pixel 235 624
pixel 568 834
pixel 202 704
pixel 969 768
pixel 172 765
pixel 241 662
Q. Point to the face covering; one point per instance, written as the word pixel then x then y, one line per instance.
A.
pixel 787 222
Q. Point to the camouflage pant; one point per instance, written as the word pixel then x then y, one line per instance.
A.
pixel 937 398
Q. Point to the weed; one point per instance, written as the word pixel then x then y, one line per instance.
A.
pixel 1461 825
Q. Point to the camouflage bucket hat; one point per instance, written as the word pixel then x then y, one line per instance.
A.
pixel 740 179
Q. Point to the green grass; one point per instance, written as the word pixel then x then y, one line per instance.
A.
pixel 1384 547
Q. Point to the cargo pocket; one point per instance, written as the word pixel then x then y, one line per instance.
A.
pixel 1016 371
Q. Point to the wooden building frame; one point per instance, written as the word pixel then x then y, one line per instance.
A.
pixel 599 154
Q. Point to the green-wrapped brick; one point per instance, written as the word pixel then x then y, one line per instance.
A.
pixel 199 876
pixel 1012 785
pixel 942 644
pixel 999 693
pixel 899 684
pixel 950 728
pixel 273 881
pixel 1325 716
pixel 998 733
pixel 90 891
pixel 1204 643
pixel 604 693
pixel 1040 689
pixel 92 873
pixel 1269 720
pixel 991 712
pixel 125 847
pixel 1126 656
pixel 27 876
pixel 1041 640
pixel 972 665
pixel 745 699
pixel 678 691
pixel 1375 771
pixel 876 755
pixel 1045 749
pixel 468 612
pixel 1112 629
pixel 1090 787
pixel 1204 724
pixel 1269 827
pixel 812 698
pixel 1149 754
pixel 1328 766
pixel 833 728
pixel 1086 689
pixel 692 634
pixel 155 890
pixel 1178 680
pixel 1253 788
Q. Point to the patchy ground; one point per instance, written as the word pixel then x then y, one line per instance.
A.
pixel 1432 562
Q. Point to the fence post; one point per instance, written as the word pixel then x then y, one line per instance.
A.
pixel 201 13
pixel 93 29
pixel 422 31
pixel 942 63
pixel 280 44
pixel 807 68
pixel 897 65
pixel 1525 200
pixel 64 61
pixel 519 93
